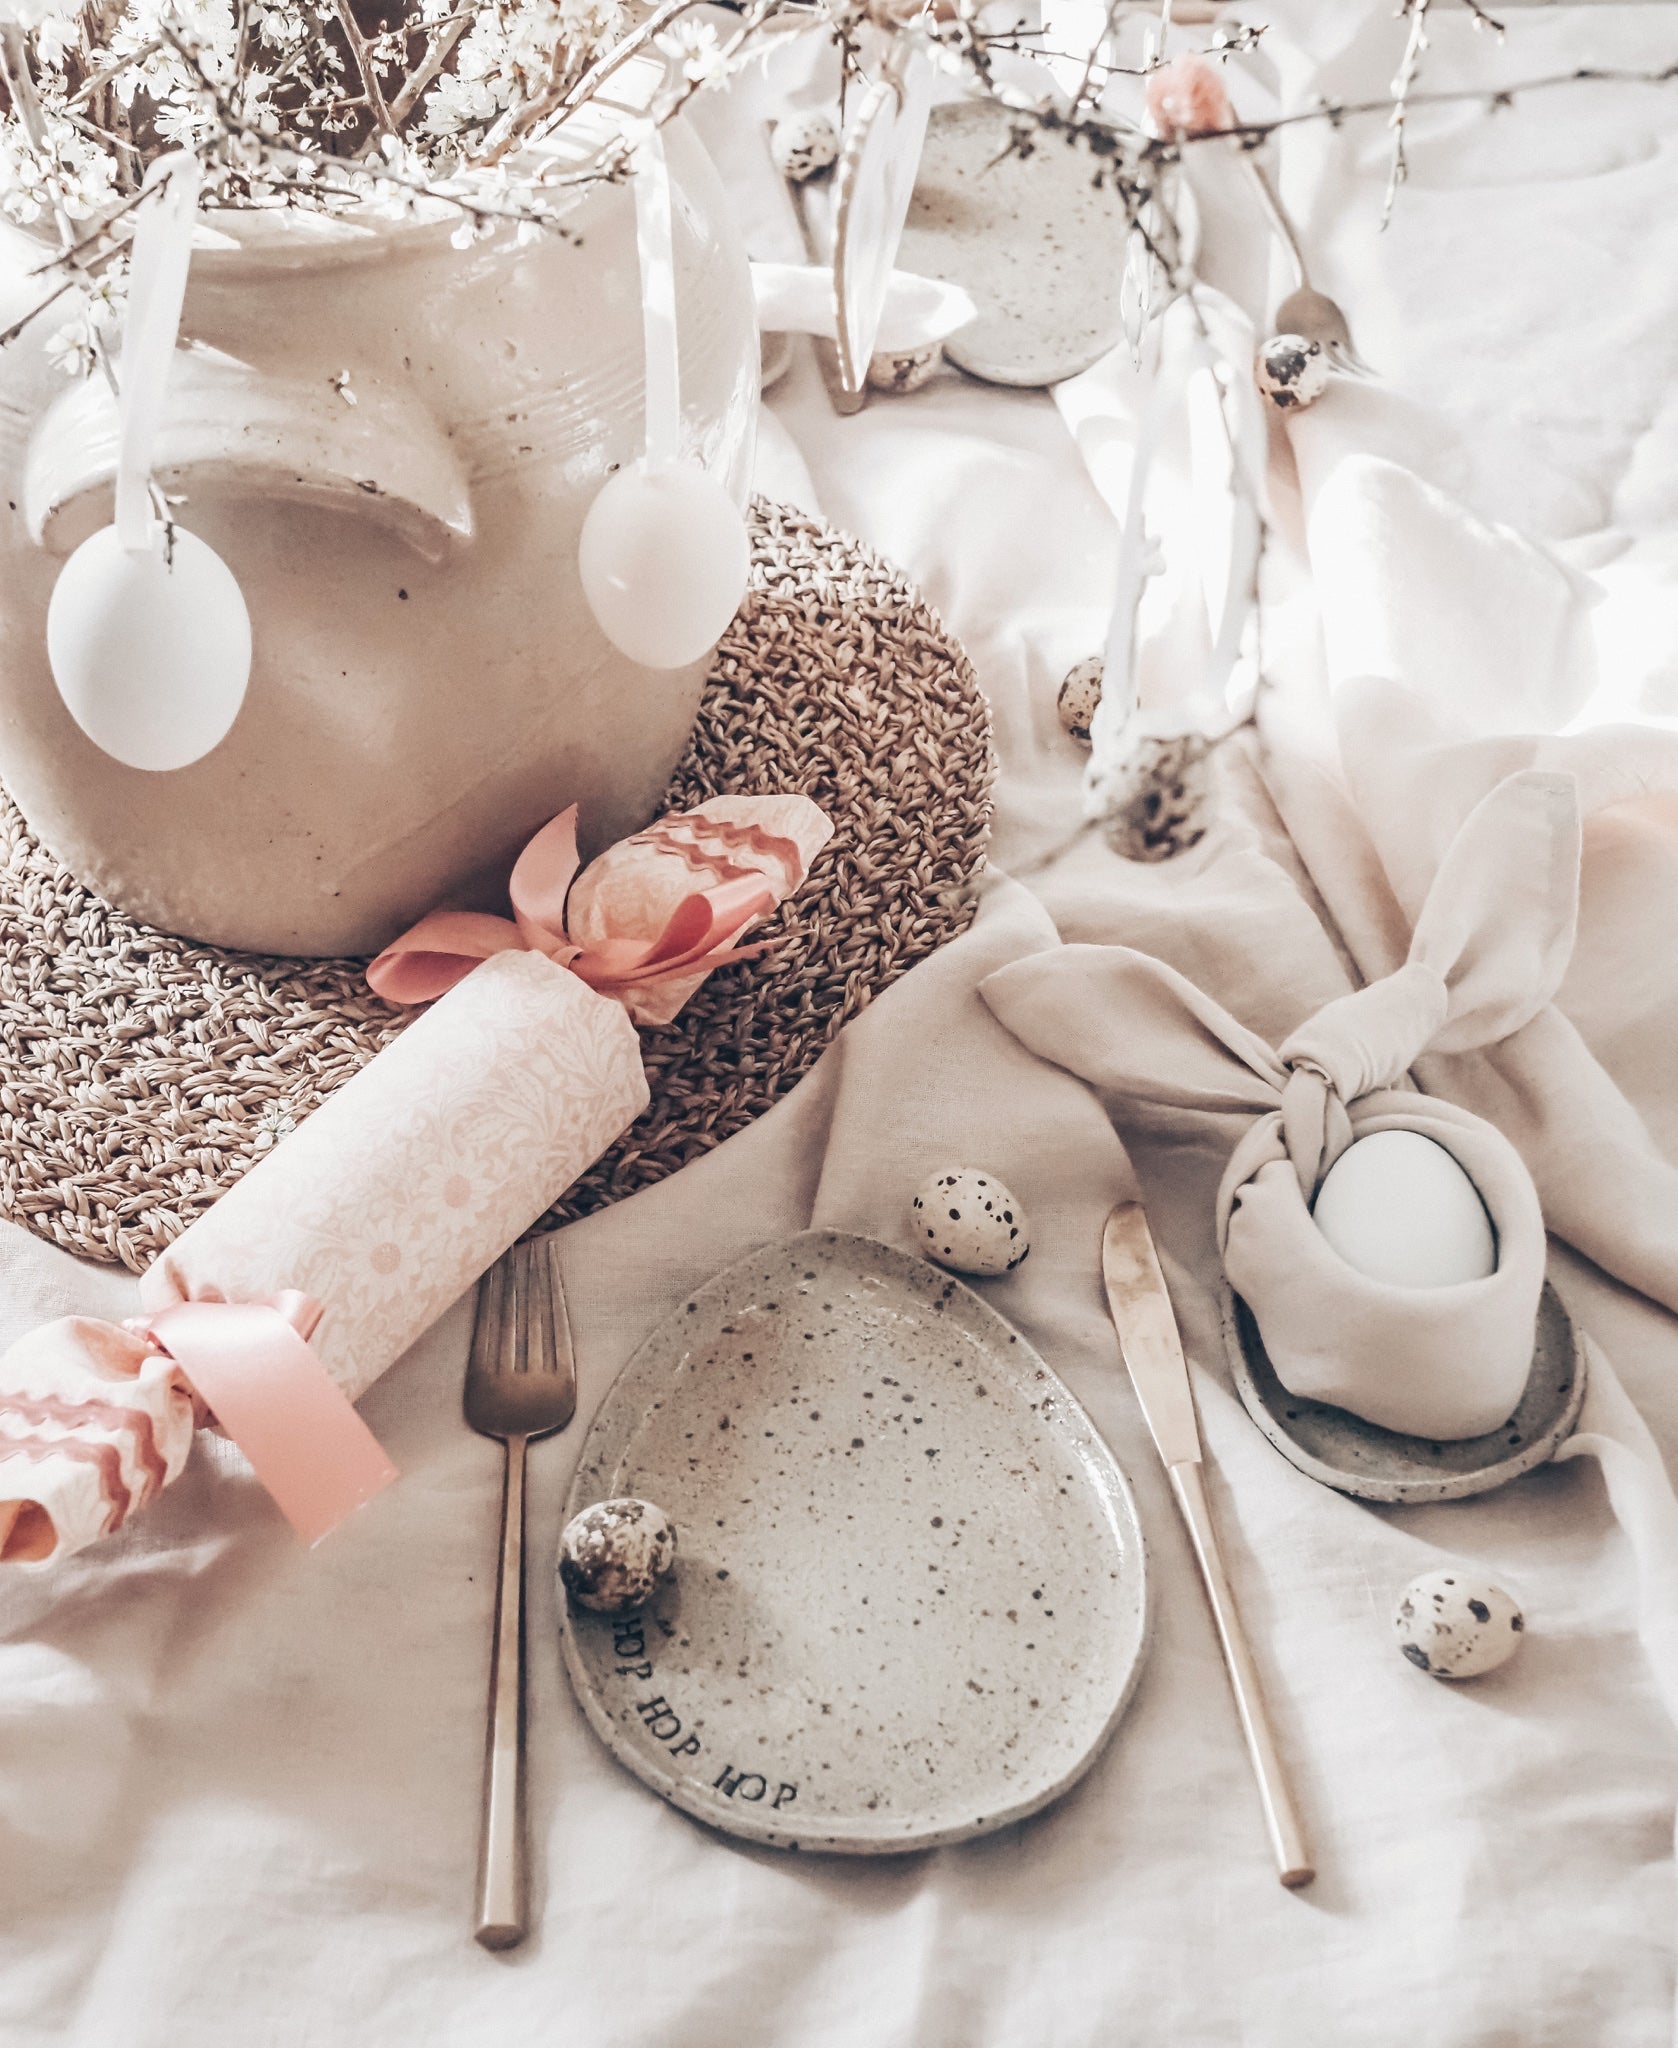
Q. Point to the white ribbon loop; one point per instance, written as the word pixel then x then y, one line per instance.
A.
pixel 655 250
pixel 157 274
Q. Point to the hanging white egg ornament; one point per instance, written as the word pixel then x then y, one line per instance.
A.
pixel 664 554
pixel 151 651
pixel 1398 1208
pixel 148 634
pixel 664 558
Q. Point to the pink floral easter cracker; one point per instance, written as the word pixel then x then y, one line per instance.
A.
pixel 283 1304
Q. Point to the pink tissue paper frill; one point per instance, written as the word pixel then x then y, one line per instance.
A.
pixel 365 1224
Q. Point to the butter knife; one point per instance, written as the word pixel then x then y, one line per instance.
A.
pixel 1153 1353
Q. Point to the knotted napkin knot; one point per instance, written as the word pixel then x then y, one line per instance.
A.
pixel 1358 1043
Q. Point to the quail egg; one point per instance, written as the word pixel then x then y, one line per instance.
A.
pixel 1079 695
pixel 967 1221
pixel 613 1554
pixel 804 143
pixel 900 370
pixel 1292 372
pixel 1456 1624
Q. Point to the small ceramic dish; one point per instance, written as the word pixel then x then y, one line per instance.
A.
pixel 1359 1458
pixel 1039 244
pixel 909 1600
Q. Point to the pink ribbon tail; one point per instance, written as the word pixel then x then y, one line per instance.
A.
pixel 440 950
pixel 251 1364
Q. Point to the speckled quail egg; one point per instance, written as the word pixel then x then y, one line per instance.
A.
pixel 900 370
pixel 804 143
pixel 1079 695
pixel 613 1554
pixel 1456 1624
pixel 968 1221
pixel 1292 372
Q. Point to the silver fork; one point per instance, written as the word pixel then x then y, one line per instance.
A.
pixel 1305 310
pixel 521 1383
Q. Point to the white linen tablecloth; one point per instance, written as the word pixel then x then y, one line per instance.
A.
pixel 239 1783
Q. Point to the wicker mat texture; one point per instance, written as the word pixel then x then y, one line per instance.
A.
pixel 140 1074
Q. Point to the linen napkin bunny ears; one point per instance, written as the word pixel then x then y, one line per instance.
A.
pixel 1489 949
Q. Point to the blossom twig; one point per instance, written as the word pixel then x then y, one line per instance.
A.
pixel 426 73
pixel 1409 66
pixel 366 64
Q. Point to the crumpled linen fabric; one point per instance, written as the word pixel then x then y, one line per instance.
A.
pixel 240 1791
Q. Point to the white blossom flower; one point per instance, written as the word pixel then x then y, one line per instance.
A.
pixel 275 1122
pixel 31 14
pixel 56 37
pixel 72 348
pixel 185 121
pixel 693 49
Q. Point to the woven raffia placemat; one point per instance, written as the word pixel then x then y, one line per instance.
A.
pixel 140 1074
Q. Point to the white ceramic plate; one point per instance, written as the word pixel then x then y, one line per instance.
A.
pixel 1371 1463
pixel 909 1599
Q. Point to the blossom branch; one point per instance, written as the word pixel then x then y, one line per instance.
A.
pixel 420 81
pixel 1409 67
pixel 366 64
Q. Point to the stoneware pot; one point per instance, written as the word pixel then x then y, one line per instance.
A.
pixel 392 442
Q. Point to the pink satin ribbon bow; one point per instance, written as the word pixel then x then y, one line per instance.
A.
pixel 250 1364
pixel 738 872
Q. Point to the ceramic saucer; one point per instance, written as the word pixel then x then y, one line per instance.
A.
pixel 1359 1458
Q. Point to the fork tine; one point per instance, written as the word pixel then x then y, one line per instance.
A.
pixel 553 1289
pixel 526 1361
pixel 512 1318
pixel 542 1319
pixel 486 1318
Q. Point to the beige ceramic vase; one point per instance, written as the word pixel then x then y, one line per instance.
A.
pixel 392 443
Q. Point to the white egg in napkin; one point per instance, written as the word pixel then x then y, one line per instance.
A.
pixel 1399 1208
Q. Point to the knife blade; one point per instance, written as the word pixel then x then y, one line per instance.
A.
pixel 1147 1327
pixel 1153 1355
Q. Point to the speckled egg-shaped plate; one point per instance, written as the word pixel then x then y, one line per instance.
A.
pixel 1039 244
pixel 1360 1458
pixel 909 1600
